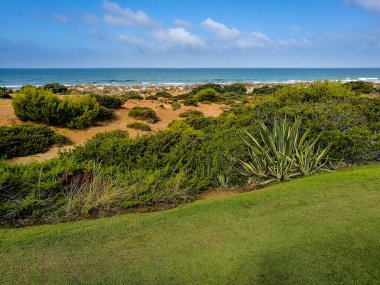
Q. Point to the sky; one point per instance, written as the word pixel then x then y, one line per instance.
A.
pixel 193 33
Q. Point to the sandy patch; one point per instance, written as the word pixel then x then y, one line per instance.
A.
pixel 217 194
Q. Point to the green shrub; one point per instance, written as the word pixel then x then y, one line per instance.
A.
pixel 5 93
pixel 238 88
pixel 144 113
pixel 360 87
pixel 208 94
pixel 190 102
pixel 164 94
pixel 176 106
pixel 40 105
pixel 217 87
pixel 151 97
pixel 26 87
pixel 56 88
pixel 105 114
pixel 191 113
pixel 139 126
pixel 33 193
pixel 130 95
pixel 27 139
pixel 267 90
pixel 108 101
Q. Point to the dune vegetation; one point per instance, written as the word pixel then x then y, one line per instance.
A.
pixel 28 139
pixel 266 135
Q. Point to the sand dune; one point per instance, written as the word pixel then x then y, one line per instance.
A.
pixel 78 137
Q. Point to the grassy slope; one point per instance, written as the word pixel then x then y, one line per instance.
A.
pixel 322 229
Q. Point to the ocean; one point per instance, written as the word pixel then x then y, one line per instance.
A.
pixel 17 77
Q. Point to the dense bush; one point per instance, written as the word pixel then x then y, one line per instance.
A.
pixel 105 114
pixel 130 95
pixel 151 97
pixel 217 87
pixel 40 105
pixel 56 88
pixel 209 95
pixel 190 102
pixel 360 87
pixel 27 139
pixel 108 101
pixel 26 87
pixel 5 93
pixel 139 126
pixel 144 113
pixel 176 106
pixel 238 88
pixel 211 92
pixel 164 94
pixel 191 113
pixel 267 90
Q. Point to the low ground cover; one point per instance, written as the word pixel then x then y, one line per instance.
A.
pixel 27 139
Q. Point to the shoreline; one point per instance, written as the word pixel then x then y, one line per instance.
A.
pixel 375 81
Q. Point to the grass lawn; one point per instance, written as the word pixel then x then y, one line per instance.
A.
pixel 323 229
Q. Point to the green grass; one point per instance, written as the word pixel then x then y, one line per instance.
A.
pixel 321 229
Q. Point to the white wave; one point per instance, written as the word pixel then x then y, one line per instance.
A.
pixel 369 79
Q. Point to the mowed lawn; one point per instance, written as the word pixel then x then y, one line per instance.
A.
pixel 323 229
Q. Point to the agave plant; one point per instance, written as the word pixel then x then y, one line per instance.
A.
pixel 282 153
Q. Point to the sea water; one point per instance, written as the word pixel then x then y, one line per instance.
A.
pixel 17 77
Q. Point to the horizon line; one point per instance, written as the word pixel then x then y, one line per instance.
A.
pixel 190 67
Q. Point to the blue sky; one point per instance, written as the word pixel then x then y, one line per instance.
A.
pixel 197 33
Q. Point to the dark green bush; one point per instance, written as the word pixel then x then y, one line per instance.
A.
pixel 267 89
pixel 164 94
pixel 40 105
pixel 108 101
pixel 217 87
pixel 208 94
pixel 139 126
pixel 34 193
pixel 190 102
pixel 105 114
pixel 5 93
pixel 191 113
pixel 26 87
pixel 201 122
pixel 144 113
pixel 238 88
pixel 130 95
pixel 151 97
pixel 360 87
pixel 229 98
pixel 176 106
pixel 56 88
pixel 27 139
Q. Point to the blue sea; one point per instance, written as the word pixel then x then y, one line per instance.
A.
pixel 179 76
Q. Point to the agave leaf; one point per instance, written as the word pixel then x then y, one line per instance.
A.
pixel 283 153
